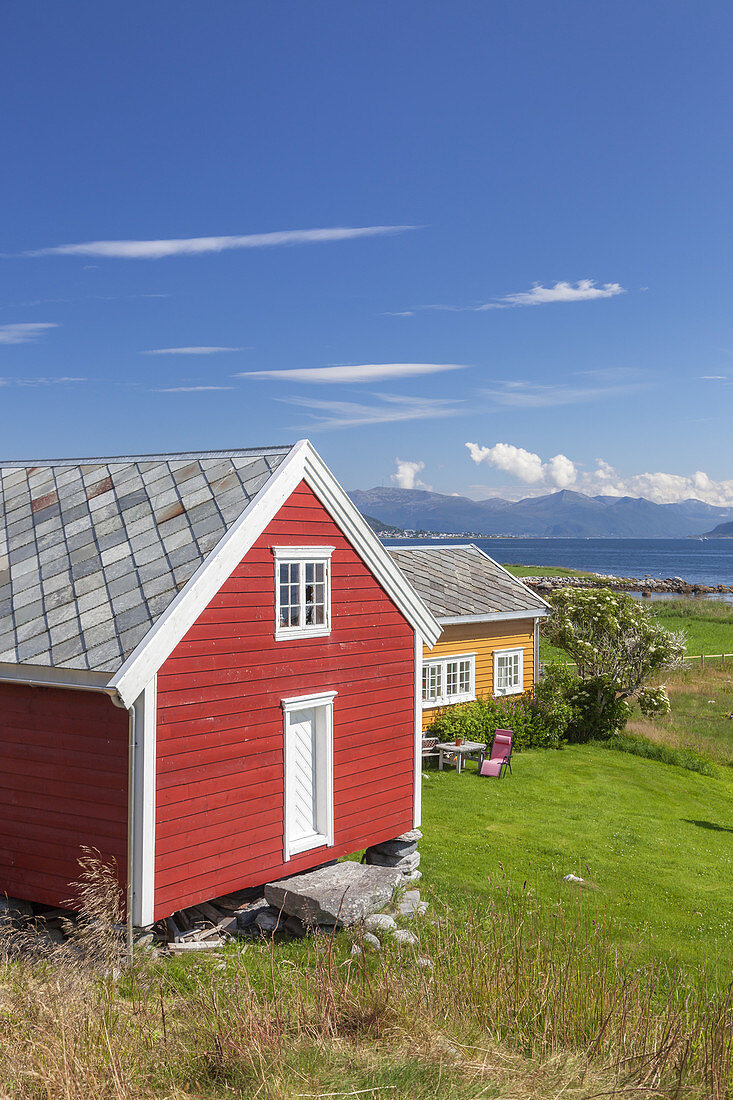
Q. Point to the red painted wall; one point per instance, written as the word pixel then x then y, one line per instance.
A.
pixel 220 723
pixel 63 783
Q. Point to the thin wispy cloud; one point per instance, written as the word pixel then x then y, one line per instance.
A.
pixel 390 409
pixel 530 395
pixel 24 333
pixel 361 372
pixel 189 389
pixel 202 350
pixel 32 302
pixel 585 290
pixel 197 246
pixel 47 381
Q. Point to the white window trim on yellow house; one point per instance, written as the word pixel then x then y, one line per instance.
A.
pixel 511 682
pixel 440 666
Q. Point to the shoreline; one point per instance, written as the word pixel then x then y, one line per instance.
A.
pixel 647 586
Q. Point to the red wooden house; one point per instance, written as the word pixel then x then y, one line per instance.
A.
pixel 208 666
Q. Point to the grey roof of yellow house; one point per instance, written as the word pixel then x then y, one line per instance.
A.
pixel 461 581
pixel 92 551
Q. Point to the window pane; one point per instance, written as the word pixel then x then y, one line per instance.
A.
pixel 464 678
pixel 432 683
pixel 502 679
pixel 315 594
pixel 289 573
pixel 451 678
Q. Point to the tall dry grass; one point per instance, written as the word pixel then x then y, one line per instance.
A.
pixel 517 997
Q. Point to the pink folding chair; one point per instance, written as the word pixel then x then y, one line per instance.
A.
pixel 500 757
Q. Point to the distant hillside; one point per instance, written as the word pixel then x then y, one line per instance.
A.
pixel 563 514
pixel 722 531
pixel 381 528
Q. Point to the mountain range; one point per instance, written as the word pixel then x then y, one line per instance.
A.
pixel 565 514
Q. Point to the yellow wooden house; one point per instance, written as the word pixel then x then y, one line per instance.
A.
pixel 489 645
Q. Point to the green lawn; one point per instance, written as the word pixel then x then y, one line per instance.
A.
pixel 708 624
pixel 655 841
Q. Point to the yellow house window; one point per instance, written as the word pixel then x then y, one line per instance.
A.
pixel 449 680
pixel 508 671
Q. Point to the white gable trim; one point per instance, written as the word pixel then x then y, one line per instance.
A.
pixel 337 502
pixel 301 464
pixel 495 616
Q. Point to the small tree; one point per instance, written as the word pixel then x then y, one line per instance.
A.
pixel 618 648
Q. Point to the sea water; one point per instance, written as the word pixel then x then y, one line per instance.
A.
pixel 697 562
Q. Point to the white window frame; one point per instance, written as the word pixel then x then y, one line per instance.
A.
pixel 322 703
pixel 301 555
pixel 445 700
pixel 515 689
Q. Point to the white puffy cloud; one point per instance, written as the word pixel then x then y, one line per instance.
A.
pixel 585 290
pixel 406 477
pixel 660 487
pixel 559 471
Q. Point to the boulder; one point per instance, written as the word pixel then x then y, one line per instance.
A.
pixel 342 893
pixel 393 848
pixel 269 920
pixel 410 904
pixel 380 922
pixel 405 937
pixel 405 864
pixel 248 916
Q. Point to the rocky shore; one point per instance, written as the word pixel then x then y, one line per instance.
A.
pixel 647 586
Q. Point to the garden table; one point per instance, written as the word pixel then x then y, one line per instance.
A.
pixel 456 754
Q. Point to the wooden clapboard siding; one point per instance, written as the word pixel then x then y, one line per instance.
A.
pixel 63 784
pixel 483 639
pixel 219 814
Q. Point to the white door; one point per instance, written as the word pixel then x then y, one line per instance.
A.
pixel 302 793
pixel 308 772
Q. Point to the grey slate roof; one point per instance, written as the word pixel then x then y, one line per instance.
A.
pixel 462 580
pixel 92 551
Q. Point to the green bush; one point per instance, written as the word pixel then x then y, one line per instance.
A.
pixel 532 722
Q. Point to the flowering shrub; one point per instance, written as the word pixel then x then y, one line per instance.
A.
pixel 617 647
pixel 532 723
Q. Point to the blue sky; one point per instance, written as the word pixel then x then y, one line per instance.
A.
pixel 544 270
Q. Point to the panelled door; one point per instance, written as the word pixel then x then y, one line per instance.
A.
pixel 308 773
pixel 302 795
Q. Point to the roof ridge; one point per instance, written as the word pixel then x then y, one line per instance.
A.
pixel 232 452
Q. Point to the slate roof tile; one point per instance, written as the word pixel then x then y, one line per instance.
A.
pixel 462 580
pixel 97 549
